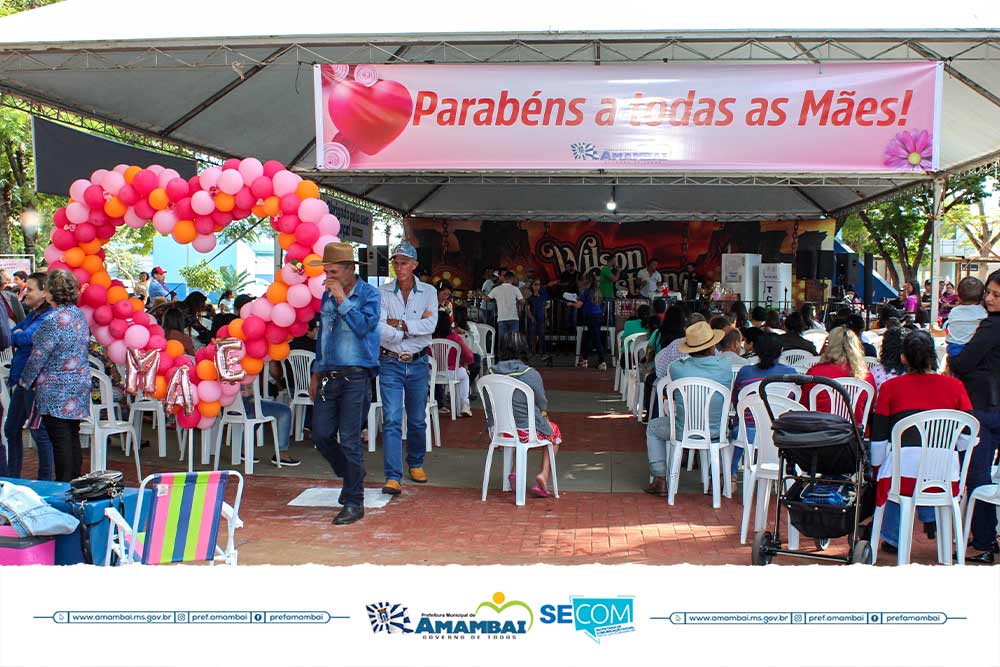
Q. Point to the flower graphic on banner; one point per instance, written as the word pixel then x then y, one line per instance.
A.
pixel 910 150
pixel 584 150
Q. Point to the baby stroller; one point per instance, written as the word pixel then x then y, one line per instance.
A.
pixel 825 479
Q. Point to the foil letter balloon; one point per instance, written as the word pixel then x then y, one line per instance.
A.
pixel 228 352
pixel 179 391
pixel 140 371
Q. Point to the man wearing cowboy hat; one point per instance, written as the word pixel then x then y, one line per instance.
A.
pixel 346 361
pixel 702 362
pixel 409 317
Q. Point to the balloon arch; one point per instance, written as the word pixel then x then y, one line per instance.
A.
pixel 193 211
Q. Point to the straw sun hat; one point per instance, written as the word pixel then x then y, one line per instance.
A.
pixel 700 336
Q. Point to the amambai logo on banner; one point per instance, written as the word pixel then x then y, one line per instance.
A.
pixel 496 618
pixel 596 617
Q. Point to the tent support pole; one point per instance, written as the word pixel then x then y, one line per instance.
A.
pixel 939 184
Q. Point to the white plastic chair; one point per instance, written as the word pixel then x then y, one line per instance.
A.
pixel 859 391
pixel 432 417
pixel 639 348
pixel 4 405
pixel 441 350
pixel 871 362
pixel 696 396
pixel 375 416
pixel 487 336
pixel 792 357
pixel 102 424
pixel 185 441
pixel 774 389
pixel 817 338
pixel 301 362
pixel 497 394
pixel 760 457
pixel 940 433
pixel 805 363
pixel 234 417
pixel 140 406
pixel 619 368
pixel 630 373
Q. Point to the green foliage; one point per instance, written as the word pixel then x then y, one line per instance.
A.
pixel 235 281
pixel 202 277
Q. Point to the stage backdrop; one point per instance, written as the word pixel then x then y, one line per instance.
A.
pixel 459 250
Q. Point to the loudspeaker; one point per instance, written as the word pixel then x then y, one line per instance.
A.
pixel 378 260
pixel 825 266
pixel 848 269
pixel 869 287
pixel 805 264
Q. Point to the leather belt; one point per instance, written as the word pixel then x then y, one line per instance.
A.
pixel 405 356
pixel 342 372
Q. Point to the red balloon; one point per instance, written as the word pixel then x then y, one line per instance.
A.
pixel 143 209
pixel 189 421
pixel 62 239
pixel 98 217
pixel 59 218
pixel 102 314
pixel 204 353
pixel 117 283
pixel 193 375
pixel 204 224
pixel 304 314
pixel 257 348
pixel 298 252
pixel 122 310
pixel 307 234
pixel 82 276
pixel 105 232
pixel 223 332
pixel 240 213
pixel 95 296
pixel 128 195
pixel 275 223
pixel 275 334
pixel 245 199
pixel 155 329
pixel 141 318
pixel 262 188
pixel 93 196
pixel 254 328
pixel 166 363
pixel 231 163
pixel 272 167
pixel 183 209
pixel 194 184
pixel 288 222
pixel 290 203
pixel 145 182
pixel 58 265
pixel 85 232
pixel 177 189
pixel 298 329
pixel 118 328
pixel 222 217
pixel 157 343
pixel 316 305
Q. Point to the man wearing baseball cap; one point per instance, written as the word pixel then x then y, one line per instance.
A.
pixel 157 286
pixel 409 316
pixel 347 346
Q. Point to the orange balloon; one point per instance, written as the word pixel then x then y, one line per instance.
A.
pixel 115 208
pixel 206 370
pixel 277 293
pixel 236 328
pixel 116 294
pixel 91 247
pixel 307 189
pixel 74 257
pixel 158 199
pixel 251 365
pixel 209 408
pixel 101 278
pixel 225 202
pixel 278 351
pixel 160 386
pixel 259 211
pixel 92 264
pixel 184 231
pixel 130 173
pixel 175 348
pixel 137 305
pixel 286 240
pixel 272 206
pixel 313 271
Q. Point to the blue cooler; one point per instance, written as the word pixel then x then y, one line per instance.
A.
pixel 68 547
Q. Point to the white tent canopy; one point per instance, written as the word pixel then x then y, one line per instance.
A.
pixel 226 79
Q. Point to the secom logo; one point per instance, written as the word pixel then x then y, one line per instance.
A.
pixel 597 617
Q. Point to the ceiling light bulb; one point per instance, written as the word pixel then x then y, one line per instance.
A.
pixel 612 205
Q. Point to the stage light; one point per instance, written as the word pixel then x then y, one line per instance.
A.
pixel 611 205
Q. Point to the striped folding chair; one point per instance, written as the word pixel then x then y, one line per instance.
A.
pixel 181 521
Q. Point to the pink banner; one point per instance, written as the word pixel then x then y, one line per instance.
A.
pixel 872 117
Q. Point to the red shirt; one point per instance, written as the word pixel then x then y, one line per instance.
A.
pixel 834 371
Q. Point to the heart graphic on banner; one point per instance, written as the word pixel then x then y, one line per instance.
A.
pixel 371 117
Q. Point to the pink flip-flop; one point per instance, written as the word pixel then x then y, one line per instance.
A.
pixel 539 492
pixel 512 480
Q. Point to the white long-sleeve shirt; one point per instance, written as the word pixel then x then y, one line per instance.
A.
pixel 423 298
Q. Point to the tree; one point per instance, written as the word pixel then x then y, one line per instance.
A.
pixel 235 281
pixel 983 232
pixel 201 277
pixel 900 230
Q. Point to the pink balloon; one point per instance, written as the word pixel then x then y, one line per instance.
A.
pixel 165 176
pixel 121 168
pixel 182 207
pixel 317 285
pixel 222 217
pixel 244 202
pixel 288 222
pixel 290 275
pixel 77 213
pixel 88 312
pixel 77 189
pixel 285 182
pixel 103 336
pixel 145 181
pixel 156 169
pixel 329 225
pixel 261 187
pixel 102 314
pixel 52 254
pixel 98 176
pixel 231 163
pixel 136 337
pixel 203 224
pixel 247 310
pixel 116 351
pixel 321 243
pixel 261 308
pixel 298 297
pixel 282 314
pixel 290 203
pixel 230 181
pixel 122 310
pixel 113 182
pixel 206 422
pixel 230 389
pixel 143 209
pixel 312 209
pixel 204 243
pixel 251 169
pixel 177 189
pixel 209 391
pixel 272 167
pixel 128 195
pixel 164 221
pixel 202 203
pixel 133 220
pixel 209 178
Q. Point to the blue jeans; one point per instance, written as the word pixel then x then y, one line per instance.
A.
pixel 10 462
pixel 342 407
pixel 536 332
pixel 282 415
pixel 507 327
pixel 595 337
pixel 890 521
pixel 984 518
pixel 403 384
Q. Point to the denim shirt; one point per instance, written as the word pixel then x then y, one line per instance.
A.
pixel 31 516
pixel 349 333
pixel 58 366
pixel 21 340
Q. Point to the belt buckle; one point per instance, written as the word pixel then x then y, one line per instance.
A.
pixel 406 356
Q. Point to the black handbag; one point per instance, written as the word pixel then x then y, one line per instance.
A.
pixel 97 485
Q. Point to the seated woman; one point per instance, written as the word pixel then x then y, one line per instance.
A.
pixel 842 357
pixel 458 363
pixel 920 389
pixel 174 327
pixel 514 363
pixel 793 340
pixel 890 359
pixel 463 329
